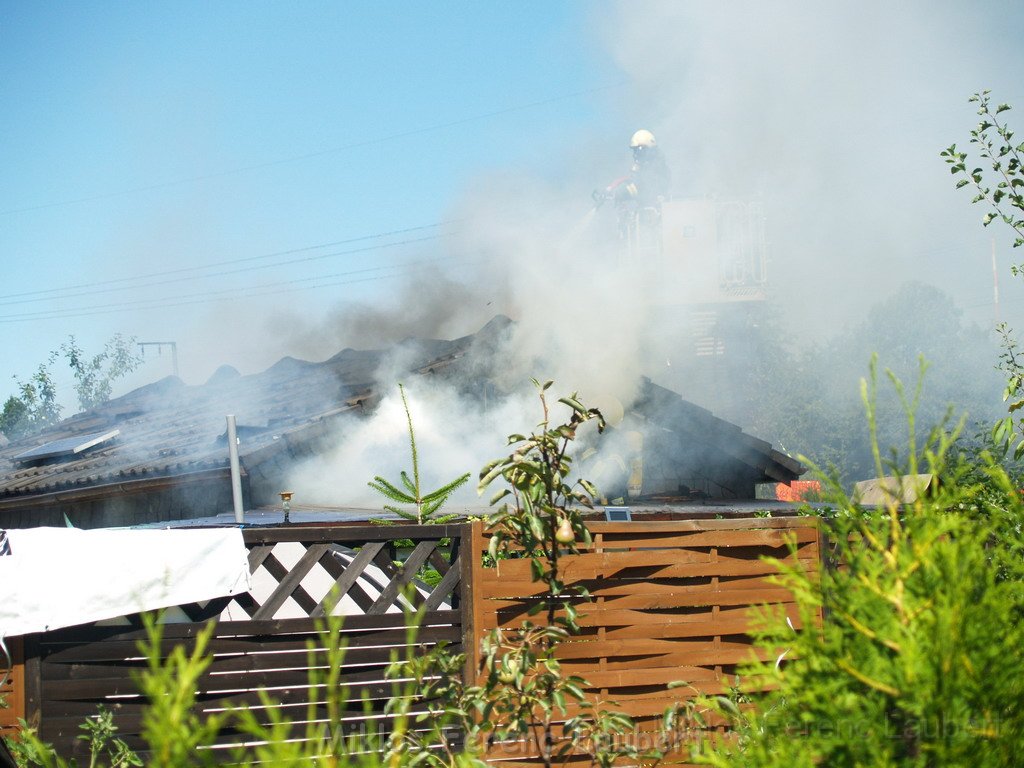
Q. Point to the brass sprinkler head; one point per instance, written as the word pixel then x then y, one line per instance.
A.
pixel 286 502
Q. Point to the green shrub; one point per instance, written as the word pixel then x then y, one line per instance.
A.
pixel 910 650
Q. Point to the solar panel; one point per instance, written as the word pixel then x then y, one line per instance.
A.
pixel 618 514
pixel 68 446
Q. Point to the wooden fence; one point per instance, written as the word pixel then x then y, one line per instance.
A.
pixel 671 603
pixel 299 575
pixel 12 685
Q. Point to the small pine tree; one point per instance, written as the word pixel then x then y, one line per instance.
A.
pixel 426 505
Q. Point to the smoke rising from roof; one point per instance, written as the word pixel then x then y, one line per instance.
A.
pixel 834 115
pixel 831 115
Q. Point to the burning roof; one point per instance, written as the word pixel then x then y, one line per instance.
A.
pixel 172 433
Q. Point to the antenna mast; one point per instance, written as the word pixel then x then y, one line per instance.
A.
pixel 160 348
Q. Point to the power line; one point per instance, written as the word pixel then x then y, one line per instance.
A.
pixel 143 302
pixel 224 295
pixel 319 153
pixel 162 301
pixel 227 272
pixel 48 293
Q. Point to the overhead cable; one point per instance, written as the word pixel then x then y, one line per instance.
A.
pixel 48 294
pixel 265 289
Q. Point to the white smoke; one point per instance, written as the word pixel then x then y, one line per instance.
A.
pixel 452 438
pixel 831 115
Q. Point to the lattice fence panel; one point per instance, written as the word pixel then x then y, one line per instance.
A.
pixel 270 638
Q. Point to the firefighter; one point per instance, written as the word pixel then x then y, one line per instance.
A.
pixel 649 176
pixel 647 185
pixel 638 197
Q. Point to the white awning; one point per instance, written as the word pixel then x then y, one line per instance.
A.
pixel 60 577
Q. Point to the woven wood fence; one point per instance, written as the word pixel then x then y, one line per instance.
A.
pixel 671 603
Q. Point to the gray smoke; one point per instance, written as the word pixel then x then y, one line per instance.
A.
pixel 830 115
pixel 833 114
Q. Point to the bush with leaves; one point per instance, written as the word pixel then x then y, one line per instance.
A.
pixel 908 653
pixel 95 375
pixel 176 735
pixel 100 733
pixel 35 406
pixel 524 696
pixel 1002 186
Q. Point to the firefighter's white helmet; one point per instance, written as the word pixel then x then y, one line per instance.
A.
pixel 643 139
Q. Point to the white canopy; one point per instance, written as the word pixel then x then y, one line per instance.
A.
pixel 60 577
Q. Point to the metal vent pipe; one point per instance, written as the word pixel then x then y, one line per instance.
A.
pixel 236 472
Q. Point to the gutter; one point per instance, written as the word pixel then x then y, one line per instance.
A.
pixel 96 492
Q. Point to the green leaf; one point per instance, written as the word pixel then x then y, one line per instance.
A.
pixel 576 405
pixel 448 489
pixel 489 477
pixel 1018 451
pixel 500 495
pixel 574 690
pixel 385 488
pixel 727 705
pixel 1000 432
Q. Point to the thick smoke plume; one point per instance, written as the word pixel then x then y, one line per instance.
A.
pixel 829 115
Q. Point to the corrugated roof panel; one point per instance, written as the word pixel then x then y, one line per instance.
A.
pixel 68 446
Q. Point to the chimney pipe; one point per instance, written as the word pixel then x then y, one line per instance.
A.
pixel 236 473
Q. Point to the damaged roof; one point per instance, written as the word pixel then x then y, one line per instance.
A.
pixel 169 431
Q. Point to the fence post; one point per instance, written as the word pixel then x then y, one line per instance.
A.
pixel 33 681
pixel 470 564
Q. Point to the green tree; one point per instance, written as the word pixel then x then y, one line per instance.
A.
pixel 522 692
pixel 426 505
pixel 806 399
pixel 525 692
pixel 13 417
pixel 95 375
pixel 1001 186
pixel 35 405
pixel 907 654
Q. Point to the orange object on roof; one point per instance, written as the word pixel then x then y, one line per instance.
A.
pixel 798 490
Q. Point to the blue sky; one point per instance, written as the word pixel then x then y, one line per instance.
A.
pixel 142 138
